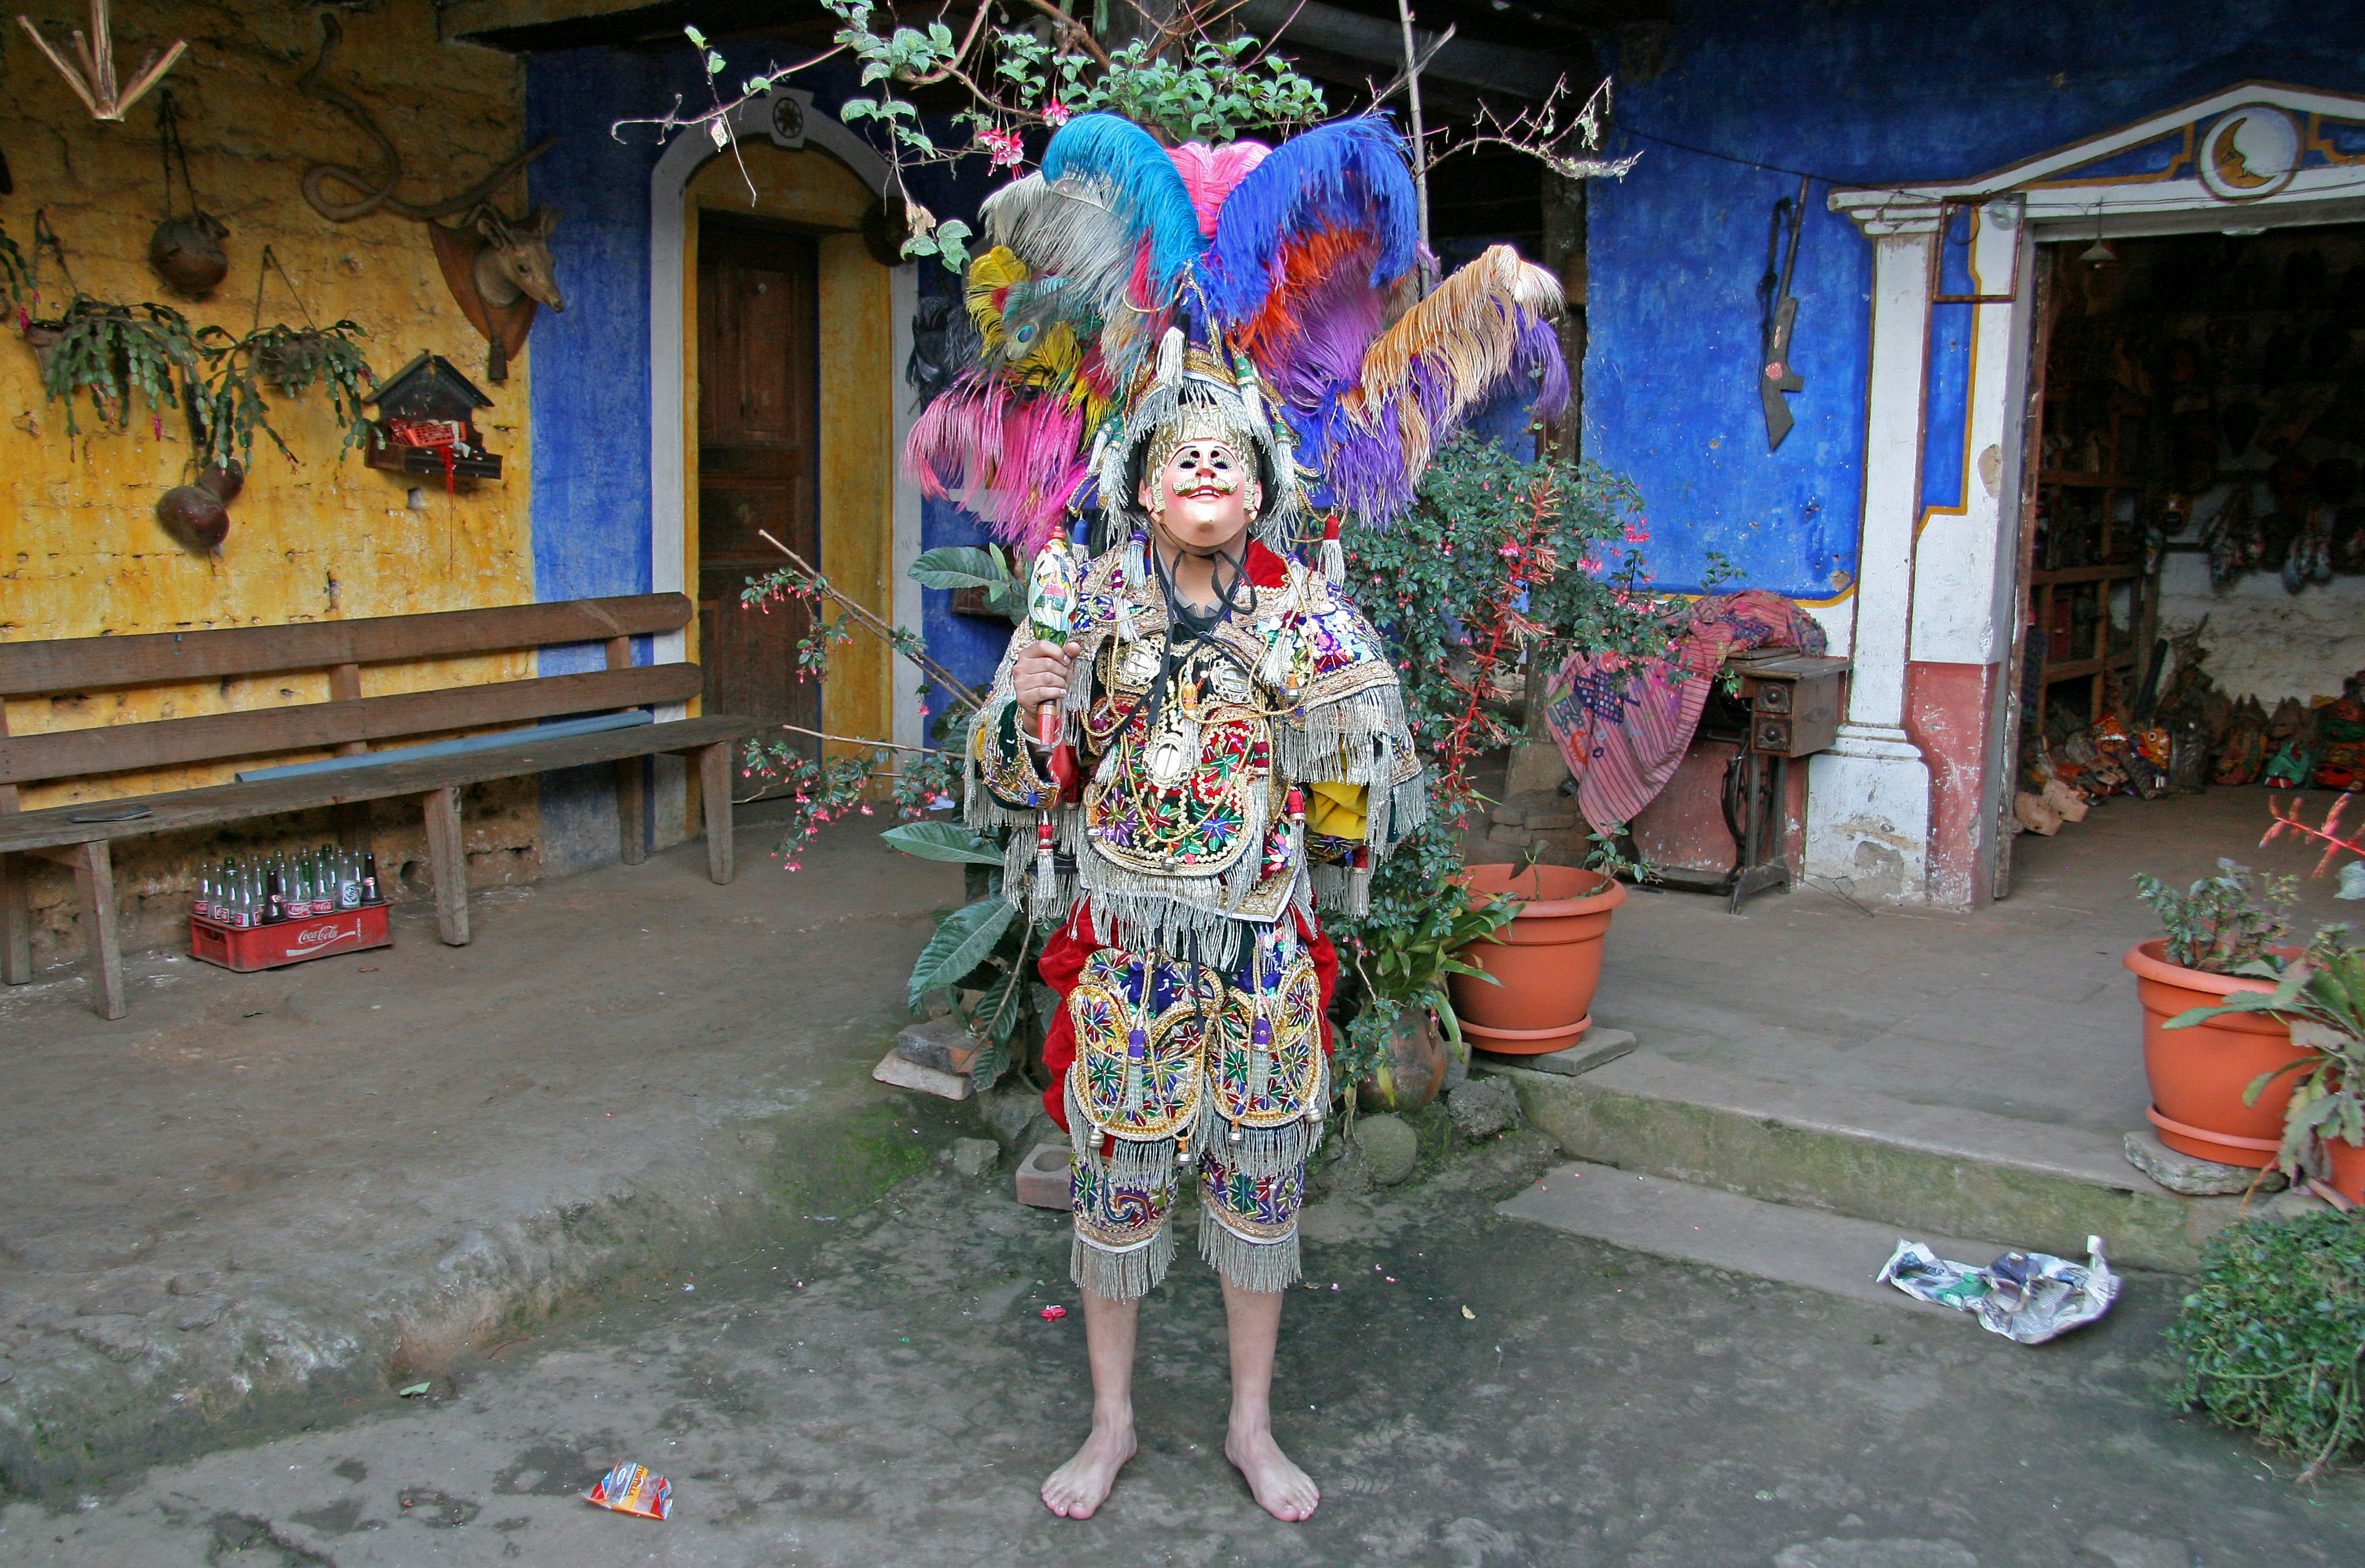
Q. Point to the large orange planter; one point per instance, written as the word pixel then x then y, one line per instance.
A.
pixel 1549 959
pixel 2347 1170
pixel 2198 1074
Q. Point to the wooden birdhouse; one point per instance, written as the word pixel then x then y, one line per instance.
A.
pixel 427 423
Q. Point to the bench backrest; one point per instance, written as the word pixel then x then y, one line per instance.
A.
pixel 348 722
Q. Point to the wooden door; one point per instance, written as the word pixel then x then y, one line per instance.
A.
pixel 757 437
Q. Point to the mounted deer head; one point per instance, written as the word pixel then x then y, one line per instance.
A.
pixel 515 263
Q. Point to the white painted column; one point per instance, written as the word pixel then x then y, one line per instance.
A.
pixel 1868 796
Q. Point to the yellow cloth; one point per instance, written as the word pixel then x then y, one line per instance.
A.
pixel 1337 810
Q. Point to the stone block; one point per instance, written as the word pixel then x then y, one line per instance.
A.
pixel 1509 837
pixel 1505 815
pixel 1534 766
pixel 975 1156
pixel 1008 1110
pixel 1390 1147
pixel 1597 1048
pixel 1484 1108
pixel 1043 1177
pixel 2193 1177
pixel 1550 820
pixel 939 1042
pixel 900 1070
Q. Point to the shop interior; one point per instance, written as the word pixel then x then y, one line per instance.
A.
pixel 2194 588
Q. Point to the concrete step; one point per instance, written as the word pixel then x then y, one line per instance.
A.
pixel 1820 1251
pixel 1926 1170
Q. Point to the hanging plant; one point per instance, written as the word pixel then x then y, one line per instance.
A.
pixel 109 352
pixel 291 359
pixel 227 407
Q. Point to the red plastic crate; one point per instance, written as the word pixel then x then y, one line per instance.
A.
pixel 290 941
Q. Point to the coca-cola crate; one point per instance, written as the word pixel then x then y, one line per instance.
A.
pixel 290 941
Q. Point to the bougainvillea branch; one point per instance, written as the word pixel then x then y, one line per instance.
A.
pixel 2289 823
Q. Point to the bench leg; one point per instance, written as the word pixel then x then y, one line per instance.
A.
pixel 16 923
pixel 714 799
pixel 94 869
pixel 631 809
pixel 447 856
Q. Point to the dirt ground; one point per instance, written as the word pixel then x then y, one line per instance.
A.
pixel 888 1392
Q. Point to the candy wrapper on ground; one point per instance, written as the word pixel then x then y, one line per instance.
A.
pixel 2028 1297
pixel 631 1489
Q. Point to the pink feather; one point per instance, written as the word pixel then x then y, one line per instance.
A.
pixel 1210 173
pixel 1014 464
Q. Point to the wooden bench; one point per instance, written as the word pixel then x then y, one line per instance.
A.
pixel 81 835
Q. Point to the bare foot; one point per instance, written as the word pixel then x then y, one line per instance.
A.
pixel 1081 1485
pixel 1281 1489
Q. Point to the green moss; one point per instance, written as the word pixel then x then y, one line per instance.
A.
pixel 2273 1337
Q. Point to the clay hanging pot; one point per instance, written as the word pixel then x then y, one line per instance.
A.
pixel 195 517
pixel 186 254
pixel 2198 1074
pixel 1548 960
pixel 1416 1068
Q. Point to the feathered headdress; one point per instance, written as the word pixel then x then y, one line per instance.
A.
pixel 1129 287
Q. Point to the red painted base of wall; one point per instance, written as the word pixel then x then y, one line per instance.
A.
pixel 1948 710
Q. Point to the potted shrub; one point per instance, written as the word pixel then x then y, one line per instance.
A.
pixel 1408 1030
pixel 2321 1000
pixel 1501 558
pixel 2224 937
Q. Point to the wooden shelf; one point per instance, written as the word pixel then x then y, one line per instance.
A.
pixel 2090 481
pixel 2042 575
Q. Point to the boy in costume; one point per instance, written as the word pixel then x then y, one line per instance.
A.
pixel 1216 749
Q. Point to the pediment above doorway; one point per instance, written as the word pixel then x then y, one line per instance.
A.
pixel 2256 153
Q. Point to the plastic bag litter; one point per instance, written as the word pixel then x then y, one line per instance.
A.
pixel 2029 1297
pixel 632 1489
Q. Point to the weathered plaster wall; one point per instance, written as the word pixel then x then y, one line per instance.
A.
pixel 81 553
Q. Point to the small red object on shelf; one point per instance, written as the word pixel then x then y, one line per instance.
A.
pixel 290 941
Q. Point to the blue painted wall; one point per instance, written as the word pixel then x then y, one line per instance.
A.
pixel 1858 94
pixel 591 390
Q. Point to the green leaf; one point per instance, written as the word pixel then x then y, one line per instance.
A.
pixel 414 1391
pixel 960 943
pixel 959 567
pixel 943 841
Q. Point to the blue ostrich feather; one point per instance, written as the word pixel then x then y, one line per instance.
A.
pixel 1351 174
pixel 1109 147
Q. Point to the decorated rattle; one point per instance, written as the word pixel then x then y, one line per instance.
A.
pixel 1051 587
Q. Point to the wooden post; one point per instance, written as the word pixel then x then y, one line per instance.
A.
pixel 631 775
pixel 16 903
pixel 447 856
pixel 715 798
pixel 16 922
pixel 353 818
pixel 94 870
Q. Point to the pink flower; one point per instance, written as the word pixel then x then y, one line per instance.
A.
pixel 1053 1313
pixel 1004 150
pixel 1511 552
pixel 1056 113
pixel 1637 535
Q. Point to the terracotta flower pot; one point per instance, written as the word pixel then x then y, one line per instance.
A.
pixel 2198 1074
pixel 1548 960
pixel 1416 1068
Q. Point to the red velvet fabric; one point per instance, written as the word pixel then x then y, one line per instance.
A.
pixel 1062 965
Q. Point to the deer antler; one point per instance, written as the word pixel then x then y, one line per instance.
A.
pixel 93 82
pixel 375 194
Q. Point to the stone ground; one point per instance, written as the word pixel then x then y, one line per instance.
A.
pixel 1474 1390
pixel 256 1193
pixel 2022 1009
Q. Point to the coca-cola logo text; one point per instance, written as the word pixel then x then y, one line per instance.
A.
pixel 315 935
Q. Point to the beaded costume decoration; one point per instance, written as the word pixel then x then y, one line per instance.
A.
pixel 1134 298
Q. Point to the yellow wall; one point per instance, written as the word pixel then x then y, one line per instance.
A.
pixel 856 462
pixel 81 553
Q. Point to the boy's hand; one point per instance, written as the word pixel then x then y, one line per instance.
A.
pixel 1041 675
